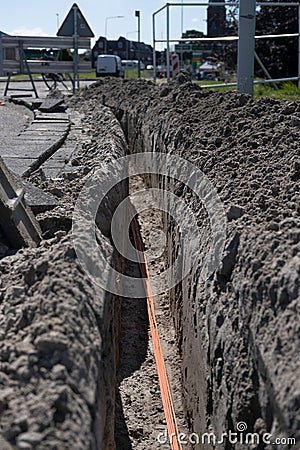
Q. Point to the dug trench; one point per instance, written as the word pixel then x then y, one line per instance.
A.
pixel 76 360
pixel 237 334
pixel 73 357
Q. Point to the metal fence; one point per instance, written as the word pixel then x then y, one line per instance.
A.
pixel 13 59
pixel 246 40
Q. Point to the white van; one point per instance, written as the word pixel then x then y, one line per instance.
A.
pixel 109 65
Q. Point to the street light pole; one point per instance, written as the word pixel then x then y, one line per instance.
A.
pixel 168 40
pixel 181 17
pixel 57 20
pixel 181 32
pixel 106 22
pixel 138 15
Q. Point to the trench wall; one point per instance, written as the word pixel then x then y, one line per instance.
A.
pixel 238 332
pixel 59 331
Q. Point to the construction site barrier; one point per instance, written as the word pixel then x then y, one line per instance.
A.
pixel 13 58
pixel 246 38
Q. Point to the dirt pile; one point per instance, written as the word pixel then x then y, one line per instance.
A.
pixel 59 331
pixel 51 348
pixel 239 333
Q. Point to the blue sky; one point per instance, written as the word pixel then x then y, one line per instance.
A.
pixel 39 17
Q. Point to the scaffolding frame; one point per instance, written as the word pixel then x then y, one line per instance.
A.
pixel 245 80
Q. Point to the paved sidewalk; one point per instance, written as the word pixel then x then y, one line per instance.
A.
pixel 31 140
pixel 27 141
pixel 24 150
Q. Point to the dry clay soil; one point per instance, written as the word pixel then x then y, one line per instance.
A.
pixel 250 150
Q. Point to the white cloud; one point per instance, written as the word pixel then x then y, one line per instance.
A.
pixel 22 31
pixel 195 20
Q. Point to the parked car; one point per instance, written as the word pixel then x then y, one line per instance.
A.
pixel 109 65
pixel 129 64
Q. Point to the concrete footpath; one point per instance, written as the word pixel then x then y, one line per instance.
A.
pixel 28 149
pixel 29 138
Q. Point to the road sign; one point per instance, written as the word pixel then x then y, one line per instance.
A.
pixel 75 24
pixel 175 64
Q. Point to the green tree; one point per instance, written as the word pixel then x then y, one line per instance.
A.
pixel 192 34
pixel 280 54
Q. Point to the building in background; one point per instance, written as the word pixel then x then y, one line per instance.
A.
pixel 128 50
pixel 216 19
pixel 2 54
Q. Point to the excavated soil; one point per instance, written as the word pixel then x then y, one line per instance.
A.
pixel 58 329
pixel 238 336
pixel 50 315
pixel 234 347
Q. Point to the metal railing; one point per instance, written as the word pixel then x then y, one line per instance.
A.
pixel 245 75
pixel 13 59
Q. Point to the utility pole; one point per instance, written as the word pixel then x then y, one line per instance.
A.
pixel 138 15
